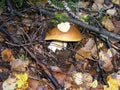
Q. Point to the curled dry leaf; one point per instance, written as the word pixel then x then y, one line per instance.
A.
pixel 107 58
pixel 19 65
pixel 7 55
pixel 83 53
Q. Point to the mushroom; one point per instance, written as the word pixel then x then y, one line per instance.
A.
pixel 63 33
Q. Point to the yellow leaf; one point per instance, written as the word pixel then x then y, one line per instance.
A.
pixel 116 2
pixel 22 81
pixel 94 84
pixel 113 84
pixel 100 45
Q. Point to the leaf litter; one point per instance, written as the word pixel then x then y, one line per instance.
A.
pixel 30 62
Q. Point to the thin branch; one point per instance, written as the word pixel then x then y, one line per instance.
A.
pixel 86 26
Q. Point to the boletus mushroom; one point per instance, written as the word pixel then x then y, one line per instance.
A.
pixel 63 33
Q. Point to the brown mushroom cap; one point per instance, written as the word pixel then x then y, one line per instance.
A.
pixel 73 34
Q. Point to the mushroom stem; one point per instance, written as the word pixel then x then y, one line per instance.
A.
pixel 57 45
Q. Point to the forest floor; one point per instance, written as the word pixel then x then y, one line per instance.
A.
pixel 60 45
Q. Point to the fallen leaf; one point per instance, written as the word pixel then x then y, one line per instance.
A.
pixel 10 83
pixel 33 84
pixel 113 85
pixel 117 2
pixel 117 25
pixel 111 11
pixel 19 65
pixel 78 78
pixel 60 76
pixel 55 69
pixel 7 55
pixel 94 84
pixel 22 83
pixel 83 53
pixel 108 24
pixel 107 65
pixel 87 78
pixel 111 52
pixel 98 4
pixel 90 43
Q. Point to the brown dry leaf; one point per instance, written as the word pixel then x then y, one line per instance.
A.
pixel 108 24
pixel 90 43
pixel 117 25
pixel 55 69
pixel 33 84
pixel 19 65
pixel 60 76
pixel 7 55
pixel 83 53
pixel 82 64
pixel 107 66
pixel 98 4
pixel 92 71
pixel 111 52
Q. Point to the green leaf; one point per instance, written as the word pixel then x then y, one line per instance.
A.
pixel 22 57
pixel 54 21
pixel 59 16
